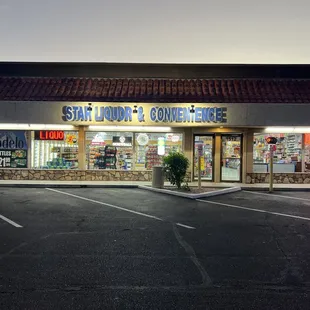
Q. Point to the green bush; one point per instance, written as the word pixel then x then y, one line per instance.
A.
pixel 175 167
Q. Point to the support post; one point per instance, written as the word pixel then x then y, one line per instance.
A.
pixel 271 169
pixel 199 171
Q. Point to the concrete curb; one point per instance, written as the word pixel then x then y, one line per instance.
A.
pixel 276 189
pixel 192 196
pixel 64 185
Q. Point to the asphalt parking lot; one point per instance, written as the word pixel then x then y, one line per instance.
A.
pixel 83 248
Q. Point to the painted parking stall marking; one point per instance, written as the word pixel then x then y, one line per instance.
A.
pixel 10 221
pixel 254 210
pixel 281 196
pixel 117 207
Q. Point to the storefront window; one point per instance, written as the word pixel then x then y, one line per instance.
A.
pixel 109 150
pixel 286 156
pixel 55 149
pixel 151 147
pixel 204 145
pixel 231 158
pixel 13 149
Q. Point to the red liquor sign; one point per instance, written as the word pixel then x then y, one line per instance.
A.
pixel 53 135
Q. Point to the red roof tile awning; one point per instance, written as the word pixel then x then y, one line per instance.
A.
pixel 154 90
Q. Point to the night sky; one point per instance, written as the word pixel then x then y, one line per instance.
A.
pixel 217 31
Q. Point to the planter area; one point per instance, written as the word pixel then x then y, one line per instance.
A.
pixel 194 193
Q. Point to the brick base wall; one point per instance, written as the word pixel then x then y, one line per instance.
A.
pixel 281 178
pixel 75 175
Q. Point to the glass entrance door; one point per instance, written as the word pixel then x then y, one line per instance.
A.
pixel 205 145
pixel 231 158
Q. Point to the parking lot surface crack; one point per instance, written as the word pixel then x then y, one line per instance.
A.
pixel 290 275
pixel 206 280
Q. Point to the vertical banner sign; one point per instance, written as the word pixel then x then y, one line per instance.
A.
pixel 200 154
pixel 161 146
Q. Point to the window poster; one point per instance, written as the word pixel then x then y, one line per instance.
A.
pixel 13 149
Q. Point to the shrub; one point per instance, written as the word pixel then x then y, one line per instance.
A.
pixel 175 167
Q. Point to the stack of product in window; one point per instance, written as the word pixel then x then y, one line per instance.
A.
pixel 106 159
pixel 152 158
pixel 60 163
pixel 124 157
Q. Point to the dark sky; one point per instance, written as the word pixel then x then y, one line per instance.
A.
pixel 217 31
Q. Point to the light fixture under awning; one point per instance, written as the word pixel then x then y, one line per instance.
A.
pixel 287 130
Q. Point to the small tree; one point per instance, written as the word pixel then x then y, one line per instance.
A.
pixel 175 167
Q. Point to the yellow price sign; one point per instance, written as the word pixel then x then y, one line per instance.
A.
pixel 202 164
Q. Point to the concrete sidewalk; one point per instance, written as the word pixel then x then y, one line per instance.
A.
pixel 129 184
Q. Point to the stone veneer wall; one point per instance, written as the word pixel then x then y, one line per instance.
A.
pixel 282 178
pixel 75 175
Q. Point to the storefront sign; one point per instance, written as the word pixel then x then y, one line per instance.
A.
pixel 13 159
pixel 13 140
pixel 71 137
pixel 49 135
pixel 153 114
pixel 122 141
pixel 143 139
pixel 98 140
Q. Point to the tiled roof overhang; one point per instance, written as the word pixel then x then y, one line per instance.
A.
pixel 154 90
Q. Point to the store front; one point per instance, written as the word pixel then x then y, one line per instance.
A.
pixel 127 141
pixel 111 128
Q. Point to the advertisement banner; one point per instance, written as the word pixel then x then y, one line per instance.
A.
pixel 13 140
pixel 13 158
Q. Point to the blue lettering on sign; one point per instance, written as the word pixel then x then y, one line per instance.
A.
pixel 128 114
pixel 179 115
pixel 87 114
pixel 153 114
pixel 224 116
pixel 67 113
pixel 174 115
pixel 211 114
pixel 160 114
pixel 167 112
pixel 198 112
pixel 121 114
pixel 140 114
pixel 157 114
pixel 114 113
pixel 186 115
pixel 99 114
pixel 107 113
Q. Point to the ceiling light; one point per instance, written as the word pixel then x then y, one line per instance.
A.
pixel 35 127
pixel 130 128
pixel 287 130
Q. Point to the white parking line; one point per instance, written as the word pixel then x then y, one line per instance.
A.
pixel 10 221
pixel 254 210
pixel 185 226
pixel 116 207
pixel 275 195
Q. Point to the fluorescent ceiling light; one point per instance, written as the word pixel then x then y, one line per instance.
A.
pixel 130 128
pixel 35 127
pixel 287 130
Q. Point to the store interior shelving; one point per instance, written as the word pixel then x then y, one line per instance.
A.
pixel 54 155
